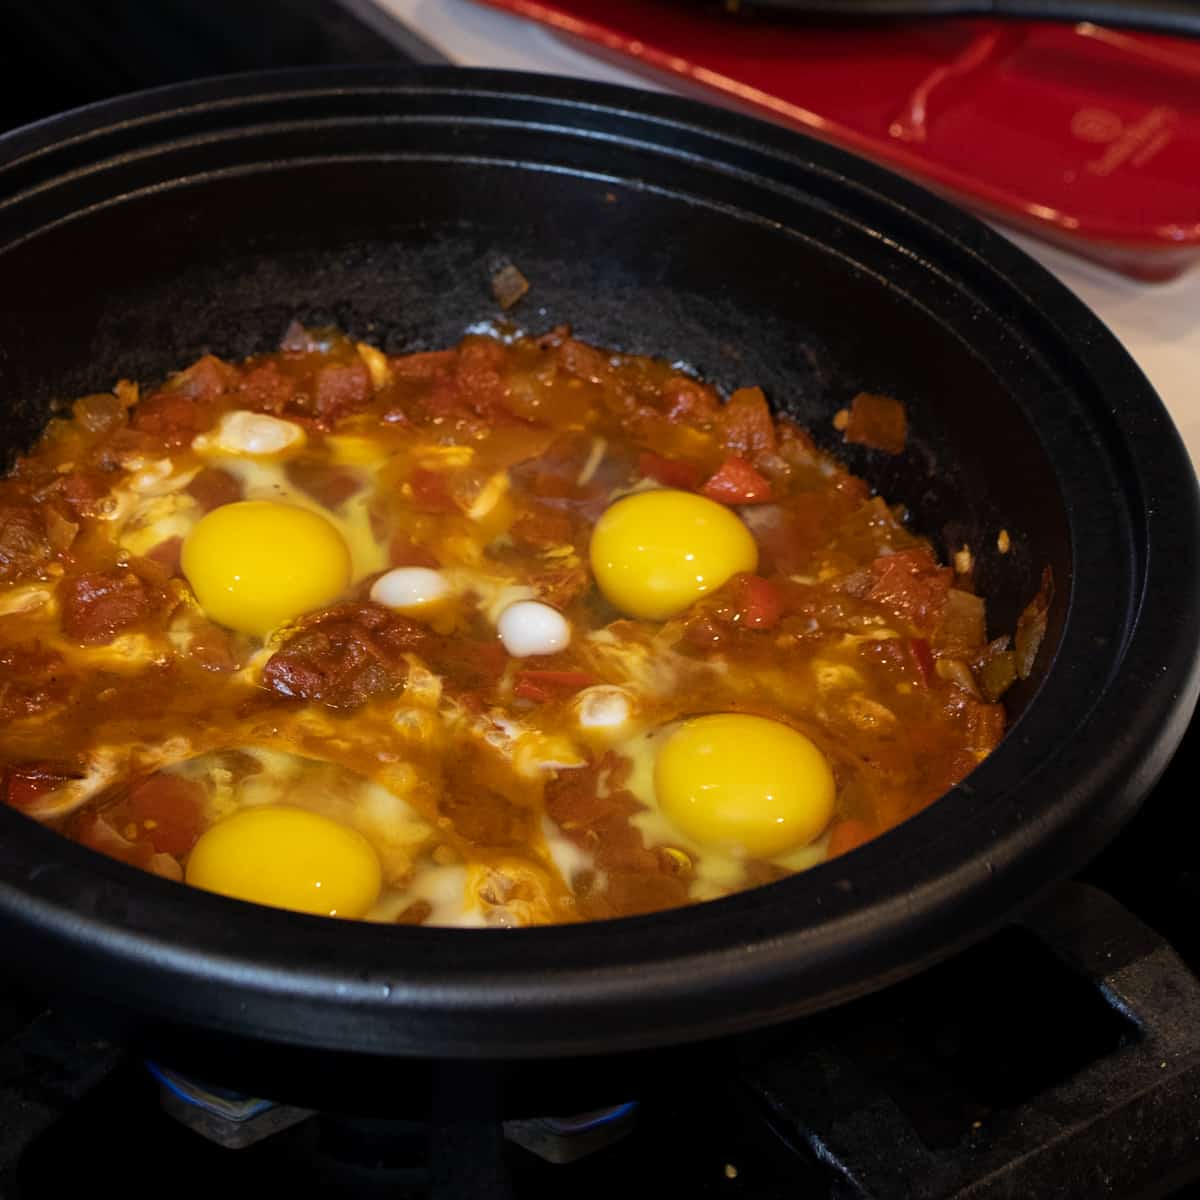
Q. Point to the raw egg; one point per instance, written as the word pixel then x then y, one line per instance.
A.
pixel 653 553
pixel 255 564
pixel 744 783
pixel 288 858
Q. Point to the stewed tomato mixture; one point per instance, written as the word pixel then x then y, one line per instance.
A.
pixel 518 632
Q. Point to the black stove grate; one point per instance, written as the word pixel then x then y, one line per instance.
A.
pixel 1061 1057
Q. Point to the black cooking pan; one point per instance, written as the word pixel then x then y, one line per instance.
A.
pixel 139 233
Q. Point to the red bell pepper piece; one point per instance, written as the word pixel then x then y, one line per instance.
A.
pixel 759 601
pixel 27 782
pixel 670 472
pixel 737 482
pixel 547 685
pixel 923 657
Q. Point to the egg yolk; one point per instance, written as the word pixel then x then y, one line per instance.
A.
pixel 654 553
pixel 255 564
pixel 287 858
pixel 744 783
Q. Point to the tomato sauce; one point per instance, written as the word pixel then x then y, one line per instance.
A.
pixel 490 464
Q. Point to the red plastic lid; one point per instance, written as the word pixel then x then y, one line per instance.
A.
pixel 1084 136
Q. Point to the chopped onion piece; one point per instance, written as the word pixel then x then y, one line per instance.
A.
pixel 1031 625
pixel 508 286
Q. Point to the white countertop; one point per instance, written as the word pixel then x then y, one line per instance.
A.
pixel 1158 323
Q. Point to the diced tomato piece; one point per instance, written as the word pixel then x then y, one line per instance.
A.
pixel 574 800
pixel 670 472
pixel 343 656
pixel 644 891
pixel 474 388
pixel 212 649
pixel 342 390
pixel 475 665
pixel 551 472
pixel 760 602
pixel 211 487
pixel 22 790
pixel 173 417
pixel 266 389
pixel 986 725
pixel 541 526
pixel 430 493
pixel 547 685
pixel 98 605
pixel 81 490
pixel 918 560
pixel 169 810
pixel 422 366
pixel 32 679
pixel 912 585
pixel 685 399
pixel 846 836
pixel 619 846
pixel 745 423
pixel 923 657
pixel 584 361
pixel 23 543
pixel 737 482
pixel 28 782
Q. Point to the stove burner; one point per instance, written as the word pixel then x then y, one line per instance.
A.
pixel 567 1139
pixel 235 1121
pixel 220 1115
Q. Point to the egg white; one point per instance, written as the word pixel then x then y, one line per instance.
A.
pixel 716 872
